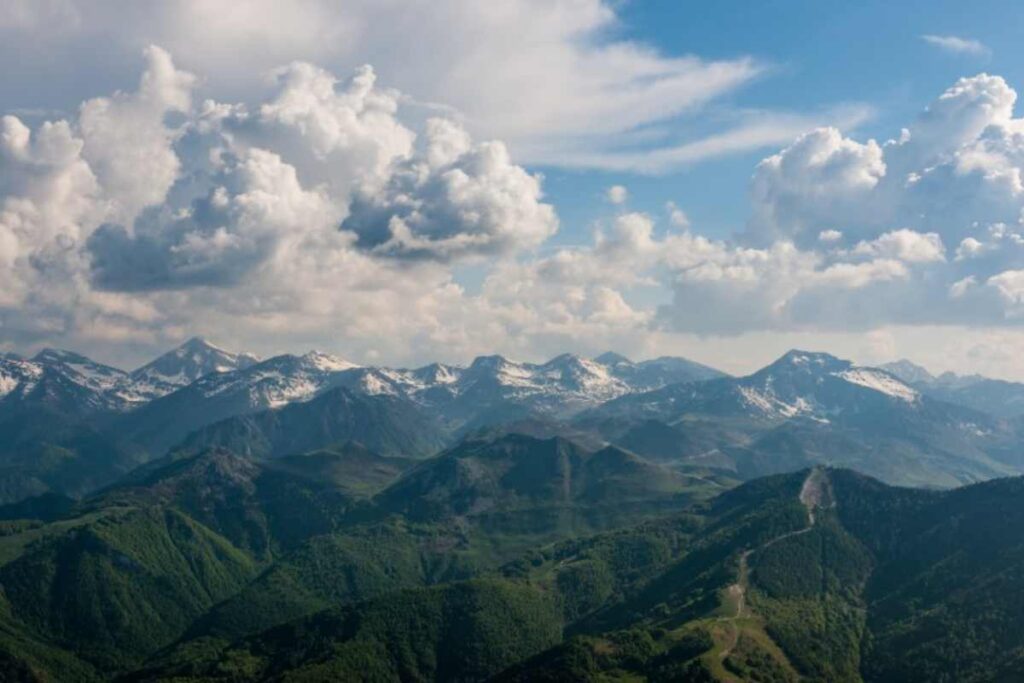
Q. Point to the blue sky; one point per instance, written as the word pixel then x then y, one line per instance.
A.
pixel 414 181
pixel 821 53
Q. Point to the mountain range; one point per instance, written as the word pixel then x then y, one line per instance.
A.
pixel 71 425
pixel 213 516
pixel 995 396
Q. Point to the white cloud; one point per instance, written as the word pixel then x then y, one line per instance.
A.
pixel 1010 285
pixel 329 211
pixel 819 179
pixel 904 245
pixel 617 194
pixel 547 77
pixel 127 142
pixel 347 131
pixel 758 130
pixel 249 236
pixel 969 248
pixel 957 165
pixel 955 171
pixel 676 216
pixel 957 45
pixel 456 200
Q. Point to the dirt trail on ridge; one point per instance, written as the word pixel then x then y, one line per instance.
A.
pixel 816 493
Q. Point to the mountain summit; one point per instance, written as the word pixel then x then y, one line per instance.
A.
pixel 194 359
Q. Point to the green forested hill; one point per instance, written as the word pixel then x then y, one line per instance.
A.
pixel 822 575
pixel 121 583
pixel 386 424
pixel 462 631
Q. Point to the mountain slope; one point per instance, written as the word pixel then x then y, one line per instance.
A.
pixel 275 382
pixel 121 584
pixel 65 382
pixel 262 510
pixel 386 424
pixel 42 450
pixel 338 569
pixel 194 359
pixel 491 390
pixel 809 408
pixel 494 480
pixel 993 396
pixel 819 575
pixel 458 632
pixel 866 582
pixel 350 466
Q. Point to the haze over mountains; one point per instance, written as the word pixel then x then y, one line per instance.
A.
pixel 999 397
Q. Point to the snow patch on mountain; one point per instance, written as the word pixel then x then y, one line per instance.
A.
pixel 17 373
pixel 275 391
pixel 880 381
pixel 326 362
pixel 768 403
pixel 376 385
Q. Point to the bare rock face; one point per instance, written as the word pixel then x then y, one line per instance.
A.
pixel 816 493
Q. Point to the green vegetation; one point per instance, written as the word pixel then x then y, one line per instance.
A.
pixel 460 631
pixel 44 450
pixel 630 655
pixel 116 589
pixel 516 559
pixel 337 569
pixel 383 423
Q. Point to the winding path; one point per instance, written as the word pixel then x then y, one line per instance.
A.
pixel 815 493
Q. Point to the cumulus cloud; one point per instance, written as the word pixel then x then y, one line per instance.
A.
pixel 617 194
pixel 878 218
pixel 676 216
pixel 821 178
pixel 258 211
pixel 316 205
pixel 952 173
pixel 128 144
pixel 957 164
pixel 904 245
pixel 723 288
pixel 337 133
pixel 330 211
pixel 454 200
pixel 1010 285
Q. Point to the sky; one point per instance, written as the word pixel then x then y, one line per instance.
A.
pixel 400 182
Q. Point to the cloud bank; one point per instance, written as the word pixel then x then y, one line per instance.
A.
pixel 328 212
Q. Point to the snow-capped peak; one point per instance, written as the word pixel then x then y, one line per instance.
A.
pixel 82 370
pixel 64 378
pixel 51 355
pixel 326 362
pixel 438 374
pixel 808 361
pixel 190 361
